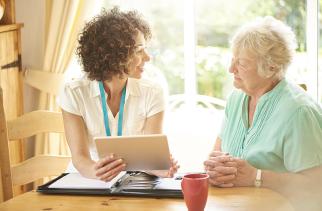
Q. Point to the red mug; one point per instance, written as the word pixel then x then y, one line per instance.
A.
pixel 195 191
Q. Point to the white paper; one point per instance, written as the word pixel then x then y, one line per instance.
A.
pixel 169 184
pixel 77 181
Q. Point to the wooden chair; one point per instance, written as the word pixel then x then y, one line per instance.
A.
pixel 44 81
pixel 25 126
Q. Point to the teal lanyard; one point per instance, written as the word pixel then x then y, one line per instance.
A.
pixel 105 113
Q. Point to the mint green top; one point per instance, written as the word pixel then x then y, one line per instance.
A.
pixel 286 133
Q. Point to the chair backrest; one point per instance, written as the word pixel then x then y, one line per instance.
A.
pixel 37 167
pixel 45 81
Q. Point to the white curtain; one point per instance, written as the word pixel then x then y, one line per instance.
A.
pixel 64 20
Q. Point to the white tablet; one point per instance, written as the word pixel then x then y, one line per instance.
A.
pixel 144 152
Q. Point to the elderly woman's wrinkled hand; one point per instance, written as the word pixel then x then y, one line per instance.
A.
pixel 221 168
pixel 217 158
pixel 246 173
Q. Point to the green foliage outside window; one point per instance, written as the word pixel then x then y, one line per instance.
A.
pixel 215 22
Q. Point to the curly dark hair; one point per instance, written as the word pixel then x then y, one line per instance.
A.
pixel 107 43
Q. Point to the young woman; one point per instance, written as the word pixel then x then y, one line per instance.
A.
pixel 111 99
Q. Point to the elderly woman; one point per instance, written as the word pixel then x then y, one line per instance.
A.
pixel 272 132
pixel 110 99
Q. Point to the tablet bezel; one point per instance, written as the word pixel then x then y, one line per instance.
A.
pixel 140 152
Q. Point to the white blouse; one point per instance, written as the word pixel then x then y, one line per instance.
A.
pixel 82 97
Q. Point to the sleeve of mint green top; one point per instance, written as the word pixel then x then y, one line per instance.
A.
pixel 233 101
pixel 223 124
pixel 303 140
pixel 225 118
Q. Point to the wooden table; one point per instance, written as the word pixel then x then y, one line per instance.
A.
pixel 218 199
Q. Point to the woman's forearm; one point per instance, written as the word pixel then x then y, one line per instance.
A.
pixel 283 182
pixel 75 131
pixel 287 182
pixel 304 189
pixel 217 146
pixel 85 166
pixel 154 124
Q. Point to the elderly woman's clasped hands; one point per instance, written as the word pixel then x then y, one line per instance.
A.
pixel 226 171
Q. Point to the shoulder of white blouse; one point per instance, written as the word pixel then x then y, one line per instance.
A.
pixel 78 82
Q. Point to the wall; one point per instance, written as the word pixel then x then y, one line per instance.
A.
pixel 32 14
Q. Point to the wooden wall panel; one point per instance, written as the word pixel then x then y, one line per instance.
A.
pixel 9 16
pixel 1 194
pixel 11 83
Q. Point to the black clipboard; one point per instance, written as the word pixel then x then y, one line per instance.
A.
pixel 133 183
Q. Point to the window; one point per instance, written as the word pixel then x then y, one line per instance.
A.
pixel 319 61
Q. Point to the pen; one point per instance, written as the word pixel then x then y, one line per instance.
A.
pixel 118 182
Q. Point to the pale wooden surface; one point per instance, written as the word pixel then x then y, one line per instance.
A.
pixel 9 15
pixel 219 199
pixel 42 121
pixel 11 83
pixel 43 80
pixel 37 167
pixel 4 153
pixel 10 27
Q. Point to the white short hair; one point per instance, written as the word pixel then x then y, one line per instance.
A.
pixel 272 41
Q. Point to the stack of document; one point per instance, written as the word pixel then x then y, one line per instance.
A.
pixel 77 181
pixel 130 183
